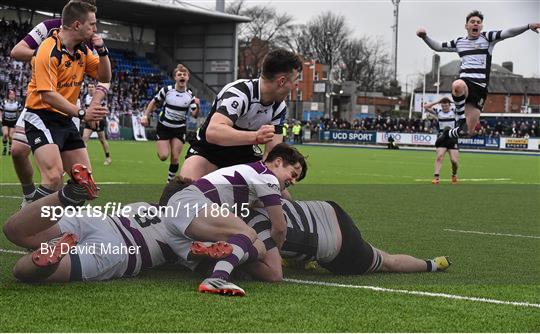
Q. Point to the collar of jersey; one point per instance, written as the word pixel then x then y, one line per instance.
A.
pixel 81 47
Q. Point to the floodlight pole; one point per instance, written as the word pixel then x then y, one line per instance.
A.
pixel 395 28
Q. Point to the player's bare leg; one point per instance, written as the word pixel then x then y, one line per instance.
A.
pixel 86 135
pixel 26 270
pixel 162 147
pixel 401 263
pixel 438 163
pixel 454 156
pixel 105 145
pixel 196 167
pixel 20 153
pixel 176 147
pixel 49 162
pixel 29 228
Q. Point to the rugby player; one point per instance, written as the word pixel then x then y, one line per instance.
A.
pixel 23 51
pixel 212 207
pixel 9 109
pixel 51 99
pixel 324 232
pixel 89 247
pixel 446 117
pixel 245 113
pixel 177 101
pixel 98 127
pixel 469 92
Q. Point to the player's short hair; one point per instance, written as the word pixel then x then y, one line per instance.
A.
pixel 280 61
pixel 290 155
pixel 92 2
pixel 76 11
pixel 180 68
pixel 177 184
pixel 473 14
pixel 445 100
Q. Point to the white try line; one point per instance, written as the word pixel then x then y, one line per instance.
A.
pixel 6 196
pixel 493 233
pixel 11 251
pixel 467 180
pixel 98 183
pixel 415 293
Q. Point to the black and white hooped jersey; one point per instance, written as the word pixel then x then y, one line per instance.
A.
pixel 141 226
pixel 446 119
pixel 175 107
pixel 10 109
pixel 311 230
pixel 241 184
pixel 240 101
pixel 475 55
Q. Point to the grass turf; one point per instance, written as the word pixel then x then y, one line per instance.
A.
pixel 389 196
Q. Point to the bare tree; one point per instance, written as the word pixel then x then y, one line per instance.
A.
pixel 268 29
pixel 368 63
pixel 326 35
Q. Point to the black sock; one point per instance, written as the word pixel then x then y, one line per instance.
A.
pixel 173 168
pixel 29 191
pixel 436 176
pixel 107 154
pixel 72 194
pixel 431 265
pixel 41 192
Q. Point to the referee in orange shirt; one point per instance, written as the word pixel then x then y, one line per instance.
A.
pixel 58 70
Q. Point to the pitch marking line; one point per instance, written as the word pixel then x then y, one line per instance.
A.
pixel 11 251
pixel 493 233
pixel 468 180
pixel 6 196
pixel 416 293
pixel 108 183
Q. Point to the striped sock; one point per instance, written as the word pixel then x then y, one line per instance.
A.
pixel 41 192
pixel 29 191
pixel 173 168
pixel 241 245
pixel 459 102
pixel 431 266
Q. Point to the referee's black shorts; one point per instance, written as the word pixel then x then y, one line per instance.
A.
pixel 44 127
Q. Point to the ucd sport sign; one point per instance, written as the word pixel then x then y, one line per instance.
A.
pixel 350 136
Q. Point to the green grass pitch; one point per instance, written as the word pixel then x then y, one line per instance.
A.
pixel 389 195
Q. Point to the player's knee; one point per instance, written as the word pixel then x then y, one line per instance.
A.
pixel 458 87
pixel 53 176
pixel 22 273
pixel 162 157
pixel 19 151
pixel 11 232
pixel 273 276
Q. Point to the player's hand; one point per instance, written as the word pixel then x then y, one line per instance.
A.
pixel 421 32
pixel 95 113
pixel 265 134
pixel 278 235
pixel 97 41
pixel 534 27
pixel 144 121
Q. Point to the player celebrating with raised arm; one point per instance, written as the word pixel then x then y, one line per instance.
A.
pixel 446 117
pixel 177 101
pixel 245 113
pixel 58 69
pixel 469 92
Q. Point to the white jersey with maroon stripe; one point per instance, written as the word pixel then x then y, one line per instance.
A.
pixel 140 225
pixel 246 183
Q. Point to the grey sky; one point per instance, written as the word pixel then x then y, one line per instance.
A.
pixel 443 20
